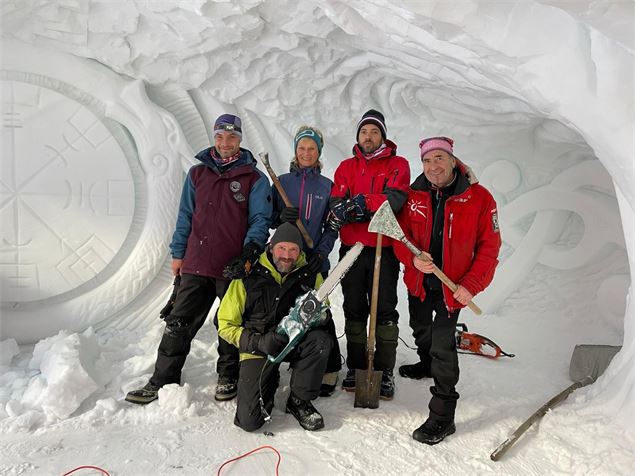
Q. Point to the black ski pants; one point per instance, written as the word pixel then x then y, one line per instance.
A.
pixel 308 361
pixel 436 345
pixel 357 286
pixel 194 299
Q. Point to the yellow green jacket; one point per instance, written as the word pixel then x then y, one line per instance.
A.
pixel 232 307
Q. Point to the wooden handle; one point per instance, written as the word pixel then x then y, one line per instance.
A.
pixel 374 296
pixel 448 282
pixel 285 198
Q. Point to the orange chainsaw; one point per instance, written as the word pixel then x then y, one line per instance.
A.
pixel 477 344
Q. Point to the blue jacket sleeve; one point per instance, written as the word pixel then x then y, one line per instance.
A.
pixel 184 219
pixel 260 210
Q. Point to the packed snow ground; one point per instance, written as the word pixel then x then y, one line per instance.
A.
pixel 80 418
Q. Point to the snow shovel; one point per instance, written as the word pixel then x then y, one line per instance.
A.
pixel 588 362
pixel 384 222
pixel 368 382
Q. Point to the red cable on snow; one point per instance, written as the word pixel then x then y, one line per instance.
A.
pixel 87 467
pixel 247 454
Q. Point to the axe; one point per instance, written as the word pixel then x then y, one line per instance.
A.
pixel 385 223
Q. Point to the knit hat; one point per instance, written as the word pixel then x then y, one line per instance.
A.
pixel 372 117
pixel 309 133
pixel 228 123
pixel 286 233
pixel 436 143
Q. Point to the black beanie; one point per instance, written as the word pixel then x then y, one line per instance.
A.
pixel 288 233
pixel 372 117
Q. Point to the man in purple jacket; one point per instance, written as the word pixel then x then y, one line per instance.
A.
pixel 222 226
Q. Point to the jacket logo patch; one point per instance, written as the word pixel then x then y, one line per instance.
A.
pixel 495 221
pixel 418 207
pixel 239 197
pixel 234 186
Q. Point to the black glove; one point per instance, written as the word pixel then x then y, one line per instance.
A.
pixel 314 265
pixel 239 267
pixel 167 309
pixel 272 343
pixel 338 214
pixel 289 214
pixel 358 211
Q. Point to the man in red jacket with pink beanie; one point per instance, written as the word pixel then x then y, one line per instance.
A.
pixel 362 183
pixel 455 221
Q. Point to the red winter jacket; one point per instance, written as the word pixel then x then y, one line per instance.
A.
pixel 471 238
pixel 358 175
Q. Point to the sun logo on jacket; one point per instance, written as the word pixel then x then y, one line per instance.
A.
pixel 416 206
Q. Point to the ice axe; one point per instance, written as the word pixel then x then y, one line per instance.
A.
pixel 264 156
pixel 385 222
pixel 588 362
pixel 368 382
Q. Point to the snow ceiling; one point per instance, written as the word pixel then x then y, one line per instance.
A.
pixel 104 103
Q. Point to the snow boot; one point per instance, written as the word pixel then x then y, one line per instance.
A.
pixel 306 414
pixel 226 388
pixel 415 371
pixel 348 383
pixel 145 395
pixel 433 431
pixel 387 388
pixel 329 382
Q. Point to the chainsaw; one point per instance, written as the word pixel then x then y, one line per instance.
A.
pixel 310 308
pixel 477 344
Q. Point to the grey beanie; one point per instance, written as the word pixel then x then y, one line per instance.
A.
pixel 288 233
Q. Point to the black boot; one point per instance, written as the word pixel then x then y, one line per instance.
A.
pixel 329 383
pixel 348 383
pixel 433 431
pixel 226 388
pixel 415 371
pixel 387 388
pixel 145 395
pixel 306 414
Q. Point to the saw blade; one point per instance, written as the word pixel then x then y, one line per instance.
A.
pixel 336 275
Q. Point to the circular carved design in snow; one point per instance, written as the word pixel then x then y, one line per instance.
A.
pixel 67 194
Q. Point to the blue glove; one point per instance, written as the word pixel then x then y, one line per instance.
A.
pixel 358 211
pixel 338 214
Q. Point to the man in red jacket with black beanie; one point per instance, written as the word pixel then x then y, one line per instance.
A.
pixel 362 183
pixel 454 220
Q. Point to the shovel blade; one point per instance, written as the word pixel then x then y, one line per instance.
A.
pixel 591 361
pixel 367 385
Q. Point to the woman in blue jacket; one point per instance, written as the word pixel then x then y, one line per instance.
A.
pixel 309 192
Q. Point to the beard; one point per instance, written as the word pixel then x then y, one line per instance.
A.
pixel 283 265
pixel 369 147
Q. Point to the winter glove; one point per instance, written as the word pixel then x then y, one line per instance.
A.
pixel 239 267
pixel 289 214
pixel 272 343
pixel 358 211
pixel 338 214
pixel 314 265
pixel 167 309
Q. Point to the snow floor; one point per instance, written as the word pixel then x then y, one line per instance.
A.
pixel 188 432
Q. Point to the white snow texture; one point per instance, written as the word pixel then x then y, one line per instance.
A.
pixel 105 103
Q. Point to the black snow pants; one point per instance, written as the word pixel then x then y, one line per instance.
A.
pixel 194 299
pixel 436 345
pixel 356 288
pixel 308 361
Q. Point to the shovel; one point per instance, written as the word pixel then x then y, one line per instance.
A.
pixel 588 362
pixel 384 222
pixel 368 382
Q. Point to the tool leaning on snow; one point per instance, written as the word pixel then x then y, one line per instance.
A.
pixel 385 223
pixel 310 308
